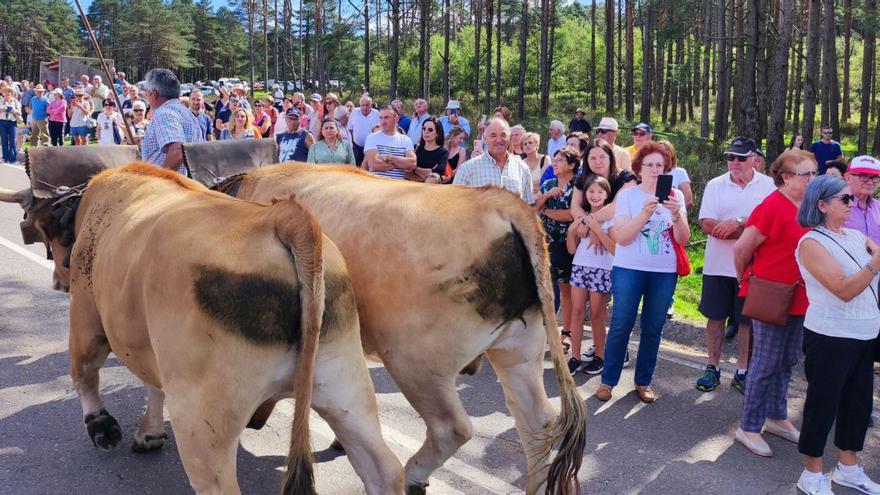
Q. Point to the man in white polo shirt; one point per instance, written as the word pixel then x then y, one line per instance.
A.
pixel 388 153
pixel 728 200
pixel 361 123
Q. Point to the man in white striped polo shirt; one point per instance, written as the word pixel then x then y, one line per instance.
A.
pixel 388 153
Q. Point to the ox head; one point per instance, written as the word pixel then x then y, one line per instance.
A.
pixel 43 222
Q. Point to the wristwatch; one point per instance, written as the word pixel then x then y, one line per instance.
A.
pixel 739 221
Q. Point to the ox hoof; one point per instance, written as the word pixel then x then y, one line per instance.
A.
pixel 417 489
pixel 103 429
pixel 150 443
pixel 337 446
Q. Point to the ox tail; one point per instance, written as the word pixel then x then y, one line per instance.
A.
pixel 299 231
pixel 568 432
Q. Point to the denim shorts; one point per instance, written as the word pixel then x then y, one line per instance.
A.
pixel 79 131
pixel 591 279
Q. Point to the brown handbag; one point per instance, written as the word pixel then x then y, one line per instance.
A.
pixel 769 301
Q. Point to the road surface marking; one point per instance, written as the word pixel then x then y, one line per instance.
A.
pixel 27 253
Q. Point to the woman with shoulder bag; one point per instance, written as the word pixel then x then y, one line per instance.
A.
pixel 765 251
pixel 839 266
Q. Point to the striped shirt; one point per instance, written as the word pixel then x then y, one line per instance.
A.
pixel 484 170
pixel 171 123
pixel 394 145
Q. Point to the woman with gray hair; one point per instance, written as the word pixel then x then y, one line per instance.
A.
pixel 839 267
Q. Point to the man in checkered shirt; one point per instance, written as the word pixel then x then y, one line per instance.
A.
pixel 172 124
pixel 498 167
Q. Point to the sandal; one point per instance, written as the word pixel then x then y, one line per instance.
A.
pixel 566 340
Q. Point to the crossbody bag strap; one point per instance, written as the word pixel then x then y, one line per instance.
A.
pixel 853 258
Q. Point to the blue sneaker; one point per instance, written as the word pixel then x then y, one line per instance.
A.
pixel 739 382
pixel 710 379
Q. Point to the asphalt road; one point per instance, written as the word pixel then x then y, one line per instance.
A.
pixel 681 444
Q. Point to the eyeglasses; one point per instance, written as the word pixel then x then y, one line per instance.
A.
pixel 138 110
pixel 258 105
pixel 811 173
pixel 603 131
pixel 427 129
pixel 864 179
pixel 740 158
pixel 846 199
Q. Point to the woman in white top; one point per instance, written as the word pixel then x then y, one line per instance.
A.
pixel 537 163
pixel 644 269
pixel 839 267
pixel 108 121
pixel 591 276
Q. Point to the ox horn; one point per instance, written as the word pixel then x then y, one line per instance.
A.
pixel 22 197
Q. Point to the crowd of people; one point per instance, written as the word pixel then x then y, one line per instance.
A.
pixel 791 259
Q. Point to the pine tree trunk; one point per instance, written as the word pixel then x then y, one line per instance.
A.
pixel 478 26
pixel 251 10
pixel 490 11
pixel 704 100
pixel 609 56
pixel 647 62
pixel 829 71
pixel 544 61
pixel 619 55
pixel 868 62
pixel 395 48
pixel 664 110
pixel 523 61
pixel 659 73
pixel 367 54
pixel 423 49
pixel 746 120
pixel 763 85
pixel 812 71
pixel 498 56
pixel 798 73
pixel 630 106
pixel 593 89
pixel 723 77
pixel 446 19
pixel 847 35
pixel 776 132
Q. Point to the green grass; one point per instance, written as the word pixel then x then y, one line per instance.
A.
pixel 687 292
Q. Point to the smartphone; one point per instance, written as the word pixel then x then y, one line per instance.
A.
pixel 664 187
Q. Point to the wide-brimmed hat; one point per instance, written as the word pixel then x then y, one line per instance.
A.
pixel 453 105
pixel 741 146
pixel 238 87
pixel 867 165
pixel 608 124
pixel 57 91
pixel 39 87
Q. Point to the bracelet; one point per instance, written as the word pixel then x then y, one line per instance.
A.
pixel 872 269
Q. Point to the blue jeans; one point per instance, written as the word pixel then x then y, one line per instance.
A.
pixel 8 130
pixel 628 288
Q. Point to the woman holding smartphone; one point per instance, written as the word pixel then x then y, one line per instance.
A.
pixel 644 268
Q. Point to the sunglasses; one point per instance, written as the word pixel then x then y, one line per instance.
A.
pixel 826 133
pixel 603 131
pixel 258 104
pixel 138 110
pixel 846 199
pixel 740 158
pixel 427 129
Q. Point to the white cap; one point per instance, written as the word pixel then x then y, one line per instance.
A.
pixel 452 105
pixel 138 105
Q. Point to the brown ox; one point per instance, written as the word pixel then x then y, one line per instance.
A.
pixel 443 274
pixel 218 306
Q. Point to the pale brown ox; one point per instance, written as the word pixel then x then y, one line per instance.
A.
pixel 217 305
pixel 443 274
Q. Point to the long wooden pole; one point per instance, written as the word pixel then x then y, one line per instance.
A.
pixel 127 125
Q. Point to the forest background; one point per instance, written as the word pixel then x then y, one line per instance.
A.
pixel 700 71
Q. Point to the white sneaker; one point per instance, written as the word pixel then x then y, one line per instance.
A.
pixel 858 480
pixel 814 485
pixel 589 354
